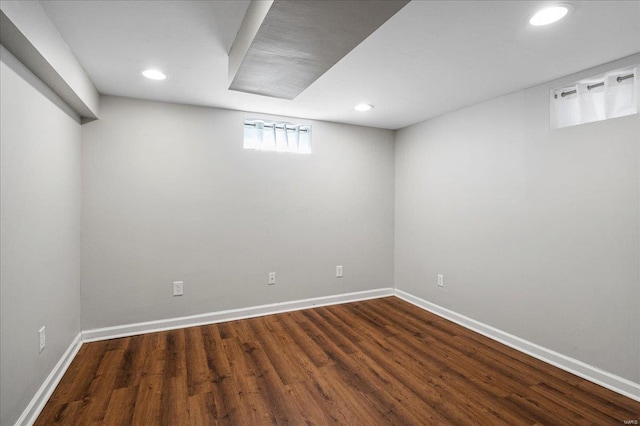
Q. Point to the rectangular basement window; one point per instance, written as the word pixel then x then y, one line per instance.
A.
pixel 277 136
pixel 610 95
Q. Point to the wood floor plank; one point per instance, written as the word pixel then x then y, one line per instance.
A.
pixel 496 374
pixel 394 389
pixel 61 414
pixel 174 399
pixel 84 365
pixel 103 383
pixel 202 410
pixel 424 375
pixel 253 407
pixel 148 403
pixel 503 383
pixel 627 404
pixel 225 388
pixel 292 331
pixel 497 417
pixel 381 361
pixel 387 397
pixel 545 369
pixel 134 359
pixel 277 398
pixel 571 406
pixel 427 332
pixel 287 369
pixel 313 388
pixel 473 365
pixel 199 376
pixel 121 405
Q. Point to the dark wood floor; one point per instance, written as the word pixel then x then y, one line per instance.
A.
pixel 376 362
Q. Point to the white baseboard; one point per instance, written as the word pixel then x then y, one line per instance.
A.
pixel 31 413
pixel 229 315
pixel 593 374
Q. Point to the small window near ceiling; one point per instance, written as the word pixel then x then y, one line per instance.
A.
pixel 277 136
pixel 610 95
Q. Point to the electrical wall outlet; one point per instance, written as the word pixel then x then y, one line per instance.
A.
pixel 43 338
pixel 440 280
pixel 178 288
pixel 339 271
pixel 272 278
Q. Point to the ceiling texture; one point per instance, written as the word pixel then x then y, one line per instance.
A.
pixel 430 58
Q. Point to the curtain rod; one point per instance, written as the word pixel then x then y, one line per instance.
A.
pixel 277 127
pixel 592 86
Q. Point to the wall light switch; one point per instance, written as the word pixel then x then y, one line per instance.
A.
pixel 441 280
pixel 178 288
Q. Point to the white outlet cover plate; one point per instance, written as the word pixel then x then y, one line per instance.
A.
pixel 43 339
pixel 178 288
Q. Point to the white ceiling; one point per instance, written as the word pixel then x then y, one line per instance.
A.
pixel 432 57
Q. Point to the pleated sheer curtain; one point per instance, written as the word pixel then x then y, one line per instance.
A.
pixel 614 94
pixel 275 136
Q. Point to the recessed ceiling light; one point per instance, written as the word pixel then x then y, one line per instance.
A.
pixel 153 74
pixel 548 15
pixel 363 107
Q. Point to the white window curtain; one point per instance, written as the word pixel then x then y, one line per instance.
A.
pixel 274 136
pixel 614 94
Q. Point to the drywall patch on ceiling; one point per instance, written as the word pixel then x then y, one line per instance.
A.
pixel 298 41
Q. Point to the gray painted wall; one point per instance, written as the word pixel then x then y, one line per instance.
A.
pixel 535 230
pixel 169 193
pixel 39 233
